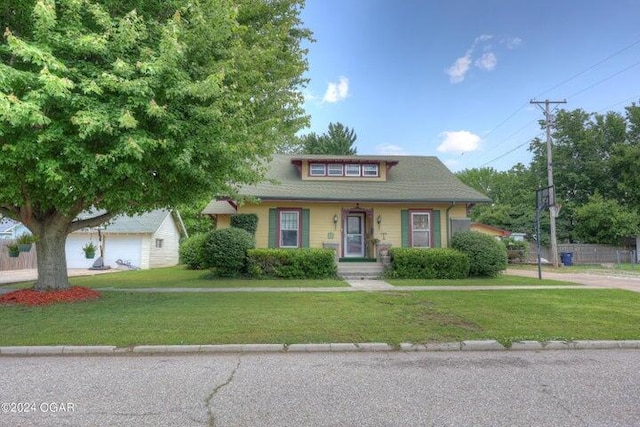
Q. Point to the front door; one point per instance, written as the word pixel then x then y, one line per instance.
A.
pixel 354 235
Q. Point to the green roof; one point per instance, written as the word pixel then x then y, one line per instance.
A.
pixel 412 179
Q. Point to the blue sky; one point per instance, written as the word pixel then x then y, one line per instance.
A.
pixel 453 78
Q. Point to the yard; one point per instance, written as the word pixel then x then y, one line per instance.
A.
pixel 126 318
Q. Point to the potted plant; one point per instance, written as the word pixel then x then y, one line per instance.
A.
pixel 25 241
pixel 89 250
pixel 13 249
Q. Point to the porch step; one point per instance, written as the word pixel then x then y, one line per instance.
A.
pixel 360 270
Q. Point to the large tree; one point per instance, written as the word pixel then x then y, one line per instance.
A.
pixel 338 140
pixel 114 110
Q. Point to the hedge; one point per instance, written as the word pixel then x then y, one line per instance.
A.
pixel 226 249
pixel 192 251
pixel 487 256
pixel 301 263
pixel 435 263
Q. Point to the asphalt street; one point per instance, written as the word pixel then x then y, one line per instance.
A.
pixel 523 388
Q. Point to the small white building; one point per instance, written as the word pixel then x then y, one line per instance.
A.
pixel 146 241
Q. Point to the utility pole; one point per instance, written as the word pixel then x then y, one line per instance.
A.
pixel 553 208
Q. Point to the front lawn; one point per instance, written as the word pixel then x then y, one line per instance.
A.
pixel 124 319
pixel 180 277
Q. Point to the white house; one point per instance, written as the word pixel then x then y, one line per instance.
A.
pixel 146 241
pixel 10 229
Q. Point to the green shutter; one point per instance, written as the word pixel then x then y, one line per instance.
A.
pixel 273 228
pixel 404 228
pixel 305 228
pixel 437 238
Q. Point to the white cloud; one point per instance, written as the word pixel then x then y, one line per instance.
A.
pixel 337 91
pixel 487 61
pixel 390 150
pixel 460 141
pixel 513 42
pixel 459 69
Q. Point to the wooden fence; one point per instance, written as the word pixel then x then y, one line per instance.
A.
pixel 24 261
pixel 587 254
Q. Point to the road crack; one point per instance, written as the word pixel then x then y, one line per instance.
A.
pixel 215 391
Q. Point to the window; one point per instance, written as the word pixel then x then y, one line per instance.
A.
pixel 289 229
pixel 159 243
pixel 334 169
pixel 317 169
pixel 421 229
pixel 352 169
pixel 370 170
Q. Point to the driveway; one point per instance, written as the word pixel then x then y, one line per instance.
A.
pixel 29 275
pixel 592 280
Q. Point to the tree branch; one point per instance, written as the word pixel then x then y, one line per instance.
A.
pixel 91 222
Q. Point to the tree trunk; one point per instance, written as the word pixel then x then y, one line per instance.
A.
pixel 52 261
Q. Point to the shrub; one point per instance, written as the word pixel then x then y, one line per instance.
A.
pixel 487 256
pixel 301 263
pixel 413 263
pixel 225 251
pixel 192 251
pixel 248 222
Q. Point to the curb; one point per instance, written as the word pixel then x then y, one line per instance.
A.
pixel 485 345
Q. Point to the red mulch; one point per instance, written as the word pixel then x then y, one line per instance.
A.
pixel 32 297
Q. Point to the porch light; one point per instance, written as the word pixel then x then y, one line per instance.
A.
pixel 379 221
pixel 335 221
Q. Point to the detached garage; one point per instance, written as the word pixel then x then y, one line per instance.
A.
pixel 146 241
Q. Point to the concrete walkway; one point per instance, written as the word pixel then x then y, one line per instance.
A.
pixel 31 274
pixel 629 283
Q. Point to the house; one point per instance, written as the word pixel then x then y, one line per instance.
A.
pixel 490 230
pixel 147 241
pixel 10 229
pixel 353 204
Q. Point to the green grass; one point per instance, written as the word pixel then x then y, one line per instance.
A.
pixel 180 277
pixel 124 319
pixel 475 281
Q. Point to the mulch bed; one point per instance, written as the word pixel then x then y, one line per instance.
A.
pixel 33 297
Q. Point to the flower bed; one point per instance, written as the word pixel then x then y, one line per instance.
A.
pixel 32 297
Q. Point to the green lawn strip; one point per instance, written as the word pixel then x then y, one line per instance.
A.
pixel 474 281
pixel 180 277
pixel 126 319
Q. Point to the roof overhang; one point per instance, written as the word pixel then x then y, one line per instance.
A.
pixel 220 207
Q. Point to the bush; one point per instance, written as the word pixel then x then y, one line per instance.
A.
pixel 225 251
pixel 487 256
pixel 413 263
pixel 292 263
pixel 192 251
pixel 248 222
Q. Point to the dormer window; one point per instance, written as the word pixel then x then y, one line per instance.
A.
pixel 370 170
pixel 317 169
pixel 335 169
pixel 352 169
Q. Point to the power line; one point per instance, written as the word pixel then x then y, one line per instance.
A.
pixel 590 68
pixel 604 80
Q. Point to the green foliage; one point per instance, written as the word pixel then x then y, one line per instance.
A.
pixel 192 251
pixel 225 251
pixel 302 263
pixel 193 220
pixel 26 239
pixel 248 222
pixel 129 106
pixel 605 221
pixel 487 256
pixel 338 141
pixel 516 249
pixel 413 263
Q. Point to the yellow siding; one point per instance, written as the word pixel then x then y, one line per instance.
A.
pixel 322 229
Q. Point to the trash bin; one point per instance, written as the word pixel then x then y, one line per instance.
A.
pixel 567 258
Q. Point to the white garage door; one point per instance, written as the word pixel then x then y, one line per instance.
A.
pixel 126 248
pixel 75 254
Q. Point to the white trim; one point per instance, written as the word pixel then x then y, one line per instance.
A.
pixel 297 229
pixel 321 165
